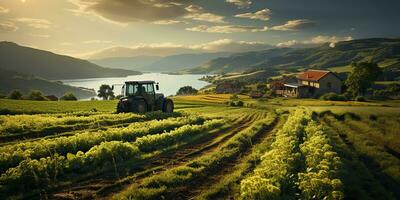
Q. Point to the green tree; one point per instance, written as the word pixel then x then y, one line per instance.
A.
pixel 69 96
pixel 187 90
pixel 362 76
pixel 36 95
pixel 16 94
pixel 105 92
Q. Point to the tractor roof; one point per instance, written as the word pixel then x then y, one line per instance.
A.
pixel 139 82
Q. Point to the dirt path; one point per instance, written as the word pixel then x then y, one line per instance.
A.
pixel 106 184
pixel 226 167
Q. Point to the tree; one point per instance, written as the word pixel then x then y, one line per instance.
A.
pixel 187 90
pixel 16 94
pixel 36 95
pixel 69 96
pixel 105 92
pixel 362 76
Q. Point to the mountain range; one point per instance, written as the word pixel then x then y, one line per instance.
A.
pixel 10 80
pixel 384 51
pixel 48 65
pixel 172 63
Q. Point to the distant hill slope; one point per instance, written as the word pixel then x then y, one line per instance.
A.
pixel 25 83
pixel 51 66
pixel 386 52
pixel 159 64
pixel 183 61
pixel 138 63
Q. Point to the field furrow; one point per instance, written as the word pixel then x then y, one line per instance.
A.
pixel 175 182
pixel 157 164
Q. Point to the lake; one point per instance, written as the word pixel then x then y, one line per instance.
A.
pixel 169 84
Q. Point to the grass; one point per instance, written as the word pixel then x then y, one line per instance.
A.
pixel 38 107
pixel 208 164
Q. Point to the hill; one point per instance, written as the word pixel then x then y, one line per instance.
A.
pixel 52 66
pixel 10 80
pixel 138 63
pixel 172 63
pixel 183 61
pixel 386 52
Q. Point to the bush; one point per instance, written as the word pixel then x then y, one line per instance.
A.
pixel 187 90
pixel 239 103
pixel 360 98
pixel 69 97
pixel 16 94
pixel 36 95
pixel 333 97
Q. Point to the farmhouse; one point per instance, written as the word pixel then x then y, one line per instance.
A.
pixel 226 88
pixel 310 84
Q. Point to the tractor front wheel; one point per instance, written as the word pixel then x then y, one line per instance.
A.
pixel 168 106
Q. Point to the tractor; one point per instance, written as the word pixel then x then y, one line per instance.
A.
pixel 140 97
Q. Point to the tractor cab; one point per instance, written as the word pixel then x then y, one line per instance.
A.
pixel 141 96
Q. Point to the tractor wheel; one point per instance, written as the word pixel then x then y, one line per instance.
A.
pixel 168 106
pixel 141 107
pixel 120 108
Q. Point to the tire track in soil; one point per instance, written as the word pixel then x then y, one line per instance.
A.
pixel 105 185
pixel 225 167
pixel 385 180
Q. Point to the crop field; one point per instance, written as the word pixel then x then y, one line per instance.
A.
pixel 276 149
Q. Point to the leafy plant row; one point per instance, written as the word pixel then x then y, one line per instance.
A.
pixel 275 176
pixel 320 180
pixel 14 125
pixel 12 155
pixel 32 174
pixel 156 186
pixel 301 143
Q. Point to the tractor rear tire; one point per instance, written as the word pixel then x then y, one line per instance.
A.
pixel 141 107
pixel 168 106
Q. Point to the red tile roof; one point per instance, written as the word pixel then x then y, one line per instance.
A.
pixel 313 75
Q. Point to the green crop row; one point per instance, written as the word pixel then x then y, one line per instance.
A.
pixel 320 180
pixel 156 187
pixel 19 125
pixel 276 174
pixel 12 155
pixel 301 158
pixel 32 174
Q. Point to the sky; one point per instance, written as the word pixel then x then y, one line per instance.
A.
pixel 121 28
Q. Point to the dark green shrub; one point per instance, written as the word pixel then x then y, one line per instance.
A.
pixel 239 103
pixel 69 97
pixel 360 98
pixel 36 95
pixel 16 94
pixel 333 97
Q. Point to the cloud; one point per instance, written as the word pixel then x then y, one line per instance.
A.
pixel 332 40
pixel 289 43
pixel 98 42
pixel 227 29
pixel 65 44
pixel 240 3
pixel 35 23
pixel 294 25
pixel 168 22
pixel 39 35
pixel 199 14
pixel 8 27
pixel 167 49
pixel 263 15
pixel 228 45
pixel 3 10
pixel 124 11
